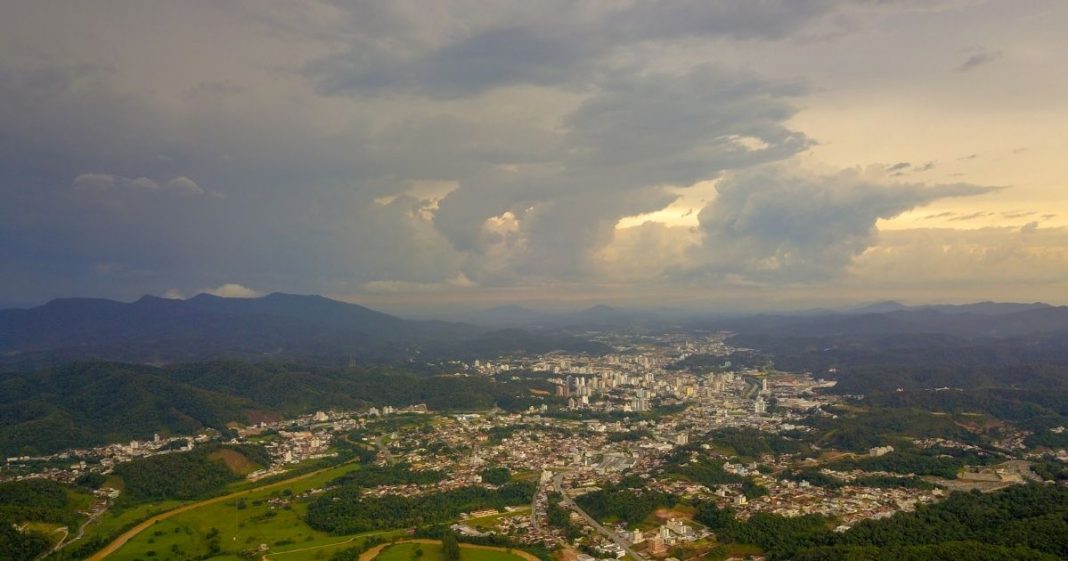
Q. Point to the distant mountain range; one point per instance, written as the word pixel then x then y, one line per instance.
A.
pixel 970 320
pixel 319 330
pixel 980 308
pixel 982 320
pixel 279 326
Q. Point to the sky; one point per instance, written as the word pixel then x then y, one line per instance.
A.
pixel 765 154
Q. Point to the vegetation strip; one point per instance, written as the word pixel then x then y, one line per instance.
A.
pixel 133 532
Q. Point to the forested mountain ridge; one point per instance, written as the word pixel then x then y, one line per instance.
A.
pixel 92 403
pixel 310 329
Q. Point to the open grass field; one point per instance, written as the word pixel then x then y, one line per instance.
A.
pixel 234 461
pixel 235 525
pixel 526 475
pixel 319 551
pixel 408 551
pixel 487 522
pixel 79 500
pixel 118 518
pixel 661 515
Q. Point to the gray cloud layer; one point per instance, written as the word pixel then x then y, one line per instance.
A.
pixel 286 146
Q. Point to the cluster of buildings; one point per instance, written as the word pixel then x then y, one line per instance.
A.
pixel 849 504
pixel 69 465
pixel 628 412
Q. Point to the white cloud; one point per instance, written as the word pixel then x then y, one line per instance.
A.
pixel 145 184
pixel 231 290
pixel 185 185
pixel 460 281
pixel 94 181
pixel 778 222
pixel 102 182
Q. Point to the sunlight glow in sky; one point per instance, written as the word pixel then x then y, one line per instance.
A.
pixel 417 154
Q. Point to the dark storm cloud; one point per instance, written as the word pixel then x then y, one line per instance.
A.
pixel 560 43
pixel 779 224
pixel 287 146
pixel 619 148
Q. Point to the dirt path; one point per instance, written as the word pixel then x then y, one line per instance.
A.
pixel 132 532
pixel 374 551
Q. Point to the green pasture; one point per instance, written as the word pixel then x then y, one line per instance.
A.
pixel 235 526
pixel 433 552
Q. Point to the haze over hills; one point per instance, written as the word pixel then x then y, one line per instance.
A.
pixel 967 321
pixel 513 315
pixel 980 319
pixel 318 329
pixel 988 308
pixel 279 326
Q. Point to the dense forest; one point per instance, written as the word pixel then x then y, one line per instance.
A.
pixel 687 462
pixel 346 511
pixel 941 462
pixel 496 475
pixel 184 475
pixel 752 443
pixel 93 403
pixel 628 505
pixel 20 546
pixel 878 426
pixel 1022 522
pixel 35 500
pixel 396 474
pixel 819 479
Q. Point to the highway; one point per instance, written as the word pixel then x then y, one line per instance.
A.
pixel 558 484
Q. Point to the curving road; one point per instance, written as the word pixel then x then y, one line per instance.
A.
pixel 132 532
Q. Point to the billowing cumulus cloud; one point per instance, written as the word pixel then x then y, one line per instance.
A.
pixel 618 150
pixel 455 147
pixel 775 223
pixel 1018 262
pixel 185 186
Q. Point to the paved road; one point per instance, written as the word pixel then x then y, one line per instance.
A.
pixel 558 483
pixel 59 544
pixel 67 540
pixel 384 450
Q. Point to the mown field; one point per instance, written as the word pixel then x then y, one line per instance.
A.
pixel 235 526
pixel 433 552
